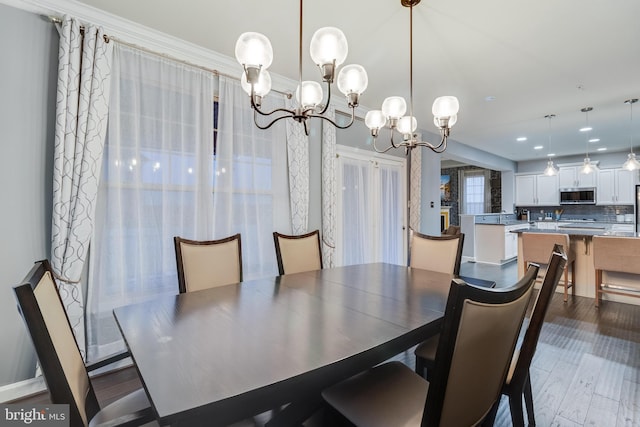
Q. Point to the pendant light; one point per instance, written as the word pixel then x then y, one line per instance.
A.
pixel 632 163
pixel 551 169
pixel 587 166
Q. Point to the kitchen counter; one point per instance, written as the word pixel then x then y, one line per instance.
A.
pixel 581 232
pixel 581 240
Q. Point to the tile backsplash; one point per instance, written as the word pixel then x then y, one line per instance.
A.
pixel 590 212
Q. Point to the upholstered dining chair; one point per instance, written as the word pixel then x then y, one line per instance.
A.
pixel 536 248
pixel 438 253
pixel 64 371
pixel 209 263
pixel 298 253
pixel 615 254
pixel 479 334
pixel 517 384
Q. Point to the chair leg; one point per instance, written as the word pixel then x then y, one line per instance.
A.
pixel 573 278
pixel 528 401
pixel 598 282
pixel 517 411
pixel 420 366
pixel 566 283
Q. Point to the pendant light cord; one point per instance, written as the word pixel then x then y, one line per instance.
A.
pixel 411 61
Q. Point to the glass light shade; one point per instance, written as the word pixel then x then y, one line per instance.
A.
pixel 254 49
pixel 311 94
pixel 550 170
pixel 375 119
pixel 452 121
pixel 587 167
pixel 261 88
pixel 352 79
pixel 328 44
pixel 394 107
pixel 445 106
pixel 407 125
pixel 632 163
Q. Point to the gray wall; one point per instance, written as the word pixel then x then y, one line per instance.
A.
pixel 29 49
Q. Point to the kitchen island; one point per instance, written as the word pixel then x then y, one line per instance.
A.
pixel 581 238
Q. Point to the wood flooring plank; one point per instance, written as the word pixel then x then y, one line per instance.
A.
pixel 576 402
pixel 558 421
pixel 547 401
pixel 602 412
pixel 609 383
pixel 629 410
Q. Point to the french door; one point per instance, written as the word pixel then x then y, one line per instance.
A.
pixel 371 208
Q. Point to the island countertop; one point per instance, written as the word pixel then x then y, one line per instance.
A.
pixel 579 232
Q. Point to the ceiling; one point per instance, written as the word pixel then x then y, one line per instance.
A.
pixel 510 63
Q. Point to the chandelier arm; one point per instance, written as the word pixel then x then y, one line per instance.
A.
pixel 381 151
pixel 353 116
pixel 271 123
pixel 326 105
pixel 257 109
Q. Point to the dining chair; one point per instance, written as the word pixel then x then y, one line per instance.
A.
pixel 208 263
pixel 479 334
pixel 436 253
pixel 517 384
pixel 452 230
pixel 618 255
pixel 65 373
pixel 298 253
pixel 536 248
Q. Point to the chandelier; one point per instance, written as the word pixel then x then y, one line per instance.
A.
pixel 632 163
pixel 328 50
pixel 587 166
pixel 551 169
pixel 444 109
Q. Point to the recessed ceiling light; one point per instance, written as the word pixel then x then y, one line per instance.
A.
pixel 602 149
pixel 538 147
pixel 586 129
pixel 551 155
pixel 489 98
pixel 594 140
pixel 521 138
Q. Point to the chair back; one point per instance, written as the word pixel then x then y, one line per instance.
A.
pixel 479 334
pixel 619 254
pixel 64 371
pixel 451 230
pixel 296 254
pixel 536 247
pixel 208 264
pixel 437 253
pixel 522 358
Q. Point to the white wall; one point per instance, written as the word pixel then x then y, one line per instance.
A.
pixel 29 49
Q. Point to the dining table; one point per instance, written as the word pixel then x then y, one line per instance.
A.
pixel 220 355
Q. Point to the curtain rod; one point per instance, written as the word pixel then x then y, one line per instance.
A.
pixel 58 21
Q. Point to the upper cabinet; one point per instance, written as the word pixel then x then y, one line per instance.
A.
pixel 536 190
pixel 616 187
pixel 570 177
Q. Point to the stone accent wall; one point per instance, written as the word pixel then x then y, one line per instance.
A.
pixel 454 202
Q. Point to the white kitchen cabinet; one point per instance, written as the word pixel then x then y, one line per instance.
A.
pixel 616 187
pixel 536 190
pixel 570 177
pixel 496 244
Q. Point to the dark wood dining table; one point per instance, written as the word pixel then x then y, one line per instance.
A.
pixel 220 355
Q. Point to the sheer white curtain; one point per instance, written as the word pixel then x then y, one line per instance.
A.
pixel 161 179
pixel 391 221
pixel 157 177
pixel 82 103
pixel 251 194
pixel 355 229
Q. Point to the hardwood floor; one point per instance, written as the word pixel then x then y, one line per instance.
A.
pixel 586 371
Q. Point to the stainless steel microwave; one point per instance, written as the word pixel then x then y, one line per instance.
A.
pixel 578 196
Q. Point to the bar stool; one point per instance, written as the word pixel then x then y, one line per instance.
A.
pixel 536 248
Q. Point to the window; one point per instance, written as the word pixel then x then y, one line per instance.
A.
pixel 162 177
pixel 474 192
